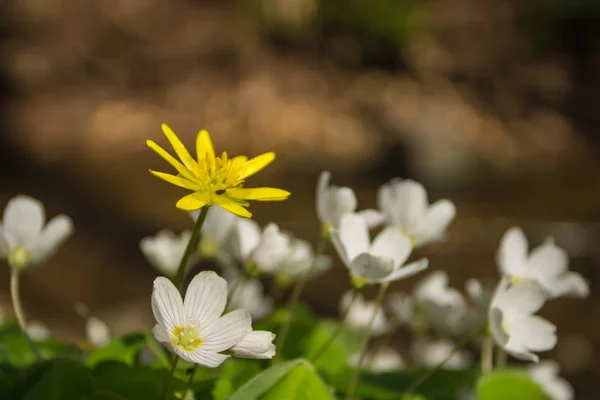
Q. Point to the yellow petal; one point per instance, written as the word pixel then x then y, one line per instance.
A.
pixel 176 180
pixel 255 164
pixel 261 194
pixel 193 201
pixel 204 146
pixel 231 206
pixel 183 171
pixel 182 152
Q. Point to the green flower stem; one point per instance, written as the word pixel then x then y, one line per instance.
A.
pixel 191 247
pixel 169 379
pixel 487 355
pixel 501 357
pixel 295 298
pixel 16 300
pixel 363 347
pixel 337 331
pixel 188 387
pixel 418 382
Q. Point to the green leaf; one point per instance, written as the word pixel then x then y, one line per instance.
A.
pixel 15 350
pixel 233 374
pixel 103 395
pixel 62 380
pixel 301 383
pixel 509 385
pixel 264 381
pixel 124 350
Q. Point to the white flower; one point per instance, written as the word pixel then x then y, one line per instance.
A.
pixel 249 295
pixel 37 331
pixel 256 344
pixel 164 251
pixel 434 288
pixel 382 360
pixel 24 240
pixel 404 204
pixel 194 328
pixel 97 331
pixel 360 314
pixel 402 307
pixel 300 262
pixel 513 325
pixel 430 353
pixel 262 251
pixel 216 231
pixel 333 202
pixel 547 265
pixel 380 261
pixel 480 295
pixel 546 374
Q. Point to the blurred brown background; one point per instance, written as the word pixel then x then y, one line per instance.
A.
pixel 490 103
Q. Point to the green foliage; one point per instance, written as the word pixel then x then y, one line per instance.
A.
pixel 233 375
pixel 125 350
pixel 62 380
pixel 509 385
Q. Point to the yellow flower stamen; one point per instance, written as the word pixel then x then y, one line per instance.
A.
pixel 18 258
pixel 515 279
pixel 186 337
pixel 214 180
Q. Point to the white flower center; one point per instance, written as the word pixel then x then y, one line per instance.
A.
pixel 186 337
pixel 19 258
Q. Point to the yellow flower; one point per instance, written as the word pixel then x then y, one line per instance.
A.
pixel 214 180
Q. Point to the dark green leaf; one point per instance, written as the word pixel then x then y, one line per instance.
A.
pixel 62 379
pixel 103 395
pixel 261 383
pixel 124 350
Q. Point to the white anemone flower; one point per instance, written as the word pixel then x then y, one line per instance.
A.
pixel 430 353
pixel 249 295
pixel 301 262
pixel 376 262
pixel 546 374
pixel 37 331
pixel 360 314
pixel 194 328
pixel 405 205
pixel 164 251
pixel 333 202
pixel 97 331
pixel 260 251
pixel 513 325
pixel 434 288
pixel 379 361
pixel 24 240
pixel 216 231
pixel 256 344
pixel 547 265
pixel 402 307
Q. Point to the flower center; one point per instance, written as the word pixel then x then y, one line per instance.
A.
pixel 186 337
pixel 19 258
pixel 515 279
pixel 221 173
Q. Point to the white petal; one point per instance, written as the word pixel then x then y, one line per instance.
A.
pixel 57 231
pixel 371 268
pixel 546 263
pixel 167 306
pixel 256 344
pixel 3 243
pixel 161 335
pixel 273 249
pixel 404 202
pixel 218 225
pixel 432 226
pixel 23 219
pixel 373 217
pixel 391 243
pixel 321 201
pixel 226 332
pixel 512 255
pixel 338 245
pixel 199 356
pixel 570 284
pixel 524 298
pixel 402 307
pixel 97 331
pixel 354 235
pixel 408 270
pixel 205 298
pixel 248 236
pixel 37 331
pixel 495 319
pixel 532 334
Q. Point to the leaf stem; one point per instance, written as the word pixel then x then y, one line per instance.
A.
pixel 487 355
pixel 191 247
pixel 188 387
pixel 363 347
pixel 295 298
pixel 18 307
pixel 337 331
pixel 169 378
